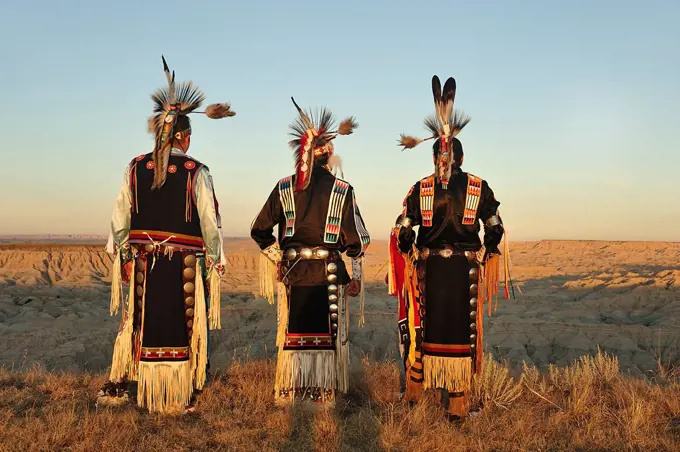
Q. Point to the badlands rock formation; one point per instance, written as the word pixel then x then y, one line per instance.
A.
pixel 621 296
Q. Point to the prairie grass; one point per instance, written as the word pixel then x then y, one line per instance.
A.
pixel 589 405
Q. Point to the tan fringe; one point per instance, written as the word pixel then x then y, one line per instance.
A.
pixel 452 374
pixel 122 363
pixel 491 270
pixel 267 278
pixel 116 285
pixel 164 387
pixel 215 309
pixel 199 336
pixel 342 344
pixel 315 368
pixel 282 316
pixel 362 296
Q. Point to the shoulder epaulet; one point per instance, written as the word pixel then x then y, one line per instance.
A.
pixel 473 177
pixel 139 158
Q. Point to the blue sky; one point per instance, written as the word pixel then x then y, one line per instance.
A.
pixel 573 104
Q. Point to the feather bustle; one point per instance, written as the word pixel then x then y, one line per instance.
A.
pixel 218 111
pixel 409 142
pixel 347 126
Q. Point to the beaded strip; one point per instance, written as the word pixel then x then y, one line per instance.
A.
pixel 335 206
pixel 288 203
pixel 474 191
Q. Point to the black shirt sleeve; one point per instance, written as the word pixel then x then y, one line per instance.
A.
pixel 411 211
pixel 262 230
pixel 488 207
pixel 352 223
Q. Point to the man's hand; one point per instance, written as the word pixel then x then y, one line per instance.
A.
pixel 354 288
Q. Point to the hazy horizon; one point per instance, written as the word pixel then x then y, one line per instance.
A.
pixel 573 106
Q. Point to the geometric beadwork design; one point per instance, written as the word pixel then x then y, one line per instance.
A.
pixel 427 200
pixel 288 203
pixel 335 206
pixel 474 192
pixel 359 223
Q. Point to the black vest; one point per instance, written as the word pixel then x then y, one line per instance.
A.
pixel 167 214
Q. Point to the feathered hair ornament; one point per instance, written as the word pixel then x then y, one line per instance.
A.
pixel 444 125
pixel 170 103
pixel 313 135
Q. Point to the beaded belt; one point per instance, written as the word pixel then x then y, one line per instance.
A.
pixel 292 254
pixel 424 253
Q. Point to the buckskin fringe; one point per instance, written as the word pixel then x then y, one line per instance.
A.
pixel 491 270
pixel 342 350
pixel 164 387
pixel 122 364
pixel 214 316
pixel 116 285
pixel 362 296
pixel 281 316
pixel 267 278
pixel 199 336
pixel 452 374
pixel 308 368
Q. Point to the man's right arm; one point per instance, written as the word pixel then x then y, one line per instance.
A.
pixel 409 218
pixel 120 220
pixel 262 230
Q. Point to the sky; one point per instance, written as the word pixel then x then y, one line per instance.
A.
pixel 574 105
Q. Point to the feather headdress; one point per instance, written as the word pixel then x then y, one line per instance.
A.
pixel 313 135
pixel 444 125
pixel 170 103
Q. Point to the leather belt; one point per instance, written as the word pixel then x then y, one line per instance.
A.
pixel 446 253
pixel 318 253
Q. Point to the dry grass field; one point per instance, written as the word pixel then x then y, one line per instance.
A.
pixel 589 405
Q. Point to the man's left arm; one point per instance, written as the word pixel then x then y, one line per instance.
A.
pixel 354 237
pixel 493 225
pixel 211 223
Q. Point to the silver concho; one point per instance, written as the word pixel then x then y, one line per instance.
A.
pixel 473 338
pixel 473 303
pixel 334 317
pixel 333 298
pixel 332 267
pixel 473 326
pixel 474 274
pixel 291 254
pixel 473 346
pixel 322 254
pixel 473 315
pixel 473 289
pixel 333 308
pixel 470 255
pixel 306 253
pixel 334 326
pixel 446 253
pixel 332 288
pixel 425 253
pixel 332 278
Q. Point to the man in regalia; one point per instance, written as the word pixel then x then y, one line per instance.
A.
pixel 167 243
pixel 444 273
pixel 317 219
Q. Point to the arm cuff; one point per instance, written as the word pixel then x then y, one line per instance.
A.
pixel 273 253
pixel 403 222
pixel 493 221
